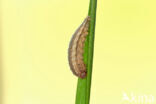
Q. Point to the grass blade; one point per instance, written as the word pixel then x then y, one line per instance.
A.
pixel 84 85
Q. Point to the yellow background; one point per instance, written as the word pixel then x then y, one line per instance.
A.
pixel 34 40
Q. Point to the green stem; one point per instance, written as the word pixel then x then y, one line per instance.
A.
pixel 84 85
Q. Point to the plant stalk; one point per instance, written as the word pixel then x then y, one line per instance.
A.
pixel 84 85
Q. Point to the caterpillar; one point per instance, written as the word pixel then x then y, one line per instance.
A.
pixel 75 50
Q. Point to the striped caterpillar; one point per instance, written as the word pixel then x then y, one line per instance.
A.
pixel 75 51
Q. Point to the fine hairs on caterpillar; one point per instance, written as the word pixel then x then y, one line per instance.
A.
pixel 75 51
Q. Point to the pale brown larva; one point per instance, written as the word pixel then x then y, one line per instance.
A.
pixel 75 51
